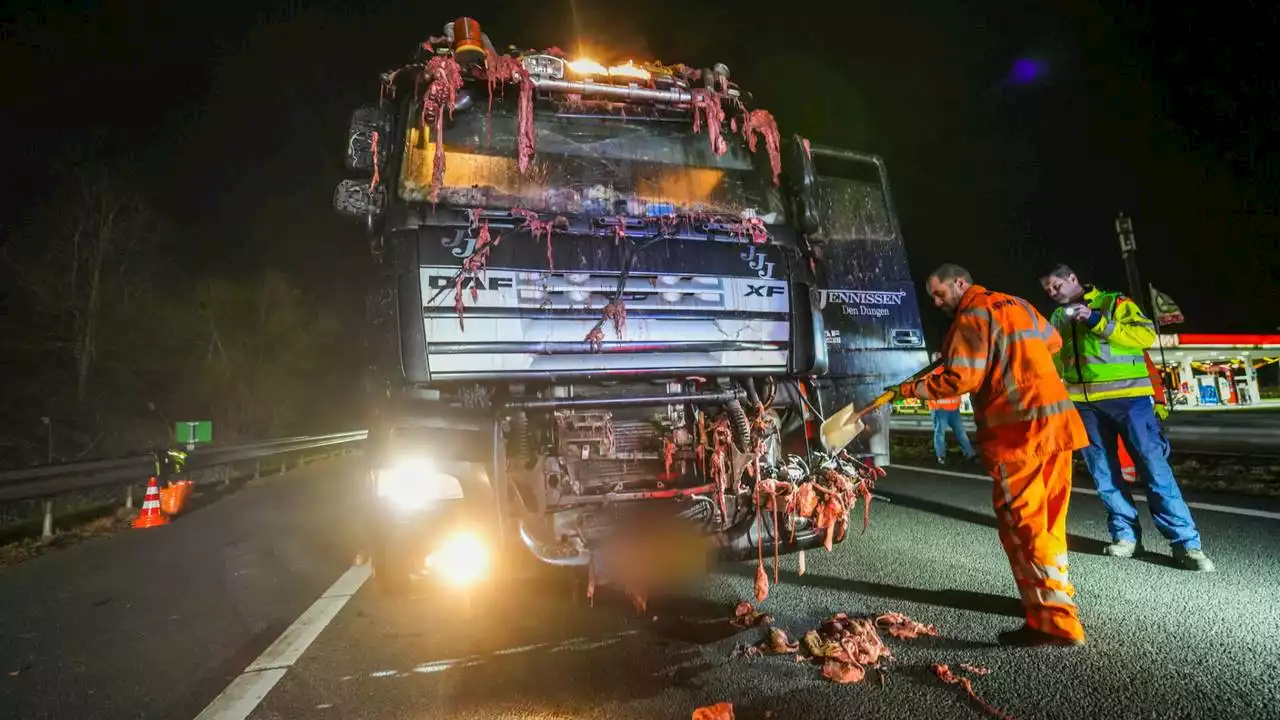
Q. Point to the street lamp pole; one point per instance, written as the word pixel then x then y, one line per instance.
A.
pixel 1129 252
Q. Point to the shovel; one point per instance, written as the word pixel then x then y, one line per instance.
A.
pixel 846 424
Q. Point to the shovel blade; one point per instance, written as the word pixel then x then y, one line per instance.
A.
pixel 841 428
pixel 846 424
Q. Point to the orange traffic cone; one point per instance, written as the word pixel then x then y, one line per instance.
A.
pixel 151 515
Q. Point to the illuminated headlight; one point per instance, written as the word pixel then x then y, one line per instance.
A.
pixel 414 483
pixel 587 67
pixel 543 66
pixel 462 559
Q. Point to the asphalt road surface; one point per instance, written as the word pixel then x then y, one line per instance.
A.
pixel 158 623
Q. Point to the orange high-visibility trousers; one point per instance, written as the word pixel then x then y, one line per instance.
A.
pixel 1030 498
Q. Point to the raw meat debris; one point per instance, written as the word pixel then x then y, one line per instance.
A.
pixel 707 107
pixel 540 229
pixel 945 674
pixel 761 122
pixel 903 627
pixel 446 78
pixel 780 643
pixel 848 648
pixel 745 616
pixel 472 267
pixel 823 491
pixel 616 313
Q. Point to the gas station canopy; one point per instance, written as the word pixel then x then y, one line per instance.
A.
pixel 1222 348
pixel 1226 363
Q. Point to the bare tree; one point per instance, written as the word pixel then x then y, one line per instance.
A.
pixel 265 349
pixel 79 272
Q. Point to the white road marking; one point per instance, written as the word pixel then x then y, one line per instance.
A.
pixel 242 696
pixel 1230 509
pixel 244 693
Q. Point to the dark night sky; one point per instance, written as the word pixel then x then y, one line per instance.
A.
pixel 236 117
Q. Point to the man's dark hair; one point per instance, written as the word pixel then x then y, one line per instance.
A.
pixel 1058 270
pixel 947 272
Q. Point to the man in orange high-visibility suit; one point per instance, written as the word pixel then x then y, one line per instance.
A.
pixel 1127 469
pixel 1000 350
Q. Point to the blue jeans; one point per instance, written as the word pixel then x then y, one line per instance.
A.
pixel 1134 420
pixel 943 419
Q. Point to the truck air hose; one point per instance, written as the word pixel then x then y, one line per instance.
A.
pixel 749 384
pixel 770 387
pixel 738 421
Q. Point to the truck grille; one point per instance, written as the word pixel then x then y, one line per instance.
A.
pixel 644 291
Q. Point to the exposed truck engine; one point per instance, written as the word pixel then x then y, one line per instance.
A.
pixel 610 291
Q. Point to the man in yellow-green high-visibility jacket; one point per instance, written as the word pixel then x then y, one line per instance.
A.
pixel 1103 362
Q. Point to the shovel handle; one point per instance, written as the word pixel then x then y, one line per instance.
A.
pixel 888 395
pixel 884 397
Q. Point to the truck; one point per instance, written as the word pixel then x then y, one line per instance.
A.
pixel 609 295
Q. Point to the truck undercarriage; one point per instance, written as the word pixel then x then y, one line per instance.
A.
pixel 602 303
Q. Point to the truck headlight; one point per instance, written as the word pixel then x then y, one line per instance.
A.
pixel 462 559
pixel 414 483
pixel 543 66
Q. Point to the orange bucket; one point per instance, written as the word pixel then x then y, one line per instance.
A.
pixel 174 497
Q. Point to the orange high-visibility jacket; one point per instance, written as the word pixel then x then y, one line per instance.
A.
pixel 945 404
pixel 1000 349
pixel 1157 380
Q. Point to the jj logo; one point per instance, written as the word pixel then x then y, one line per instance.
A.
pixel 758 261
pixel 462 243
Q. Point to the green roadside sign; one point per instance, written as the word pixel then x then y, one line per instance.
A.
pixel 196 431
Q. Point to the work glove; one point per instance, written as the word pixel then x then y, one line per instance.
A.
pixel 1162 411
pixel 905 390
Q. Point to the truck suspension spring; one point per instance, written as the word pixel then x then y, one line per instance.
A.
pixel 518 442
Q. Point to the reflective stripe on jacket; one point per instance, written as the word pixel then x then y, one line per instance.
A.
pixel 1108 358
pixel 1000 350
pixel 945 404
pixel 952 403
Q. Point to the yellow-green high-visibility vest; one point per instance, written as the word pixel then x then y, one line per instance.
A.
pixel 1093 366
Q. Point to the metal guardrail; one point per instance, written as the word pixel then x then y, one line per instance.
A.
pixel 48 481
pixel 1245 436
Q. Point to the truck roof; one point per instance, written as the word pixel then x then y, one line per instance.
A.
pixel 706 97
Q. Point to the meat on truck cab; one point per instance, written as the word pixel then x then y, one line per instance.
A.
pixel 608 293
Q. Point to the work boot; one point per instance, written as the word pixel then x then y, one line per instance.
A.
pixel 1122 549
pixel 1027 636
pixel 1193 559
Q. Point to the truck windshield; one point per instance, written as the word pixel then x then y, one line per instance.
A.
pixel 589 166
